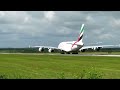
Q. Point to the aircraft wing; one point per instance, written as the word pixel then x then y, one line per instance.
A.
pixel 97 47
pixel 91 47
pixel 42 48
pixel 46 47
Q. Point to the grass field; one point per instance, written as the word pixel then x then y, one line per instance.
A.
pixel 16 66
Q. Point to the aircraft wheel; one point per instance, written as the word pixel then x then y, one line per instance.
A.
pixel 75 53
pixel 62 53
pixel 67 52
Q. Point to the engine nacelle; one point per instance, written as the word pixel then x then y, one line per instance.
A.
pixel 83 50
pixel 97 48
pixel 94 48
pixel 50 50
pixel 41 49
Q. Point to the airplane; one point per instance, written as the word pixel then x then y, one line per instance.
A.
pixel 97 48
pixel 71 46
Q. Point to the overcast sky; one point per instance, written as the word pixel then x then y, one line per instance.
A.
pixel 49 28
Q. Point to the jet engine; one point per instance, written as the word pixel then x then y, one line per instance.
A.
pixel 97 48
pixel 94 48
pixel 50 50
pixel 83 50
pixel 41 49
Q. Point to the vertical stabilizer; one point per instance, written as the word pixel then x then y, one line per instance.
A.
pixel 81 33
pixel 80 37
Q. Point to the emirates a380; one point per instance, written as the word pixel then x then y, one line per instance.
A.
pixel 72 46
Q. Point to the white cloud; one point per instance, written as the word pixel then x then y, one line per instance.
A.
pixel 49 15
pixel 63 31
pixel 43 25
pixel 106 36
pixel 115 22
pixel 26 19
pixel 13 16
pixel 98 31
pixel 2 13
pixel 90 19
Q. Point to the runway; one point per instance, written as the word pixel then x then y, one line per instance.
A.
pixel 108 55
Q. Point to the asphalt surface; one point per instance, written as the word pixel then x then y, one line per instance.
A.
pixel 92 55
pixel 63 54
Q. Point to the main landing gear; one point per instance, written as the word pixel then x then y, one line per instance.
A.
pixel 75 53
pixel 63 52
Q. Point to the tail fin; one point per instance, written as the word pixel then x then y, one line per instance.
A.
pixel 80 37
pixel 81 33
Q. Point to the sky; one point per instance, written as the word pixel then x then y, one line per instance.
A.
pixel 49 28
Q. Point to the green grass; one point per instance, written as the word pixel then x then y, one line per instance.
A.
pixel 16 66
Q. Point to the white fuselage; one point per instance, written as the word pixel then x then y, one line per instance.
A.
pixel 69 47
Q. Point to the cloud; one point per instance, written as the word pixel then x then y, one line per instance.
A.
pixel 106 36
pixel 49 15
pixel 13 17
pixel 41 27
pixel 90 19
pixel 2 13
pixel 115 22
